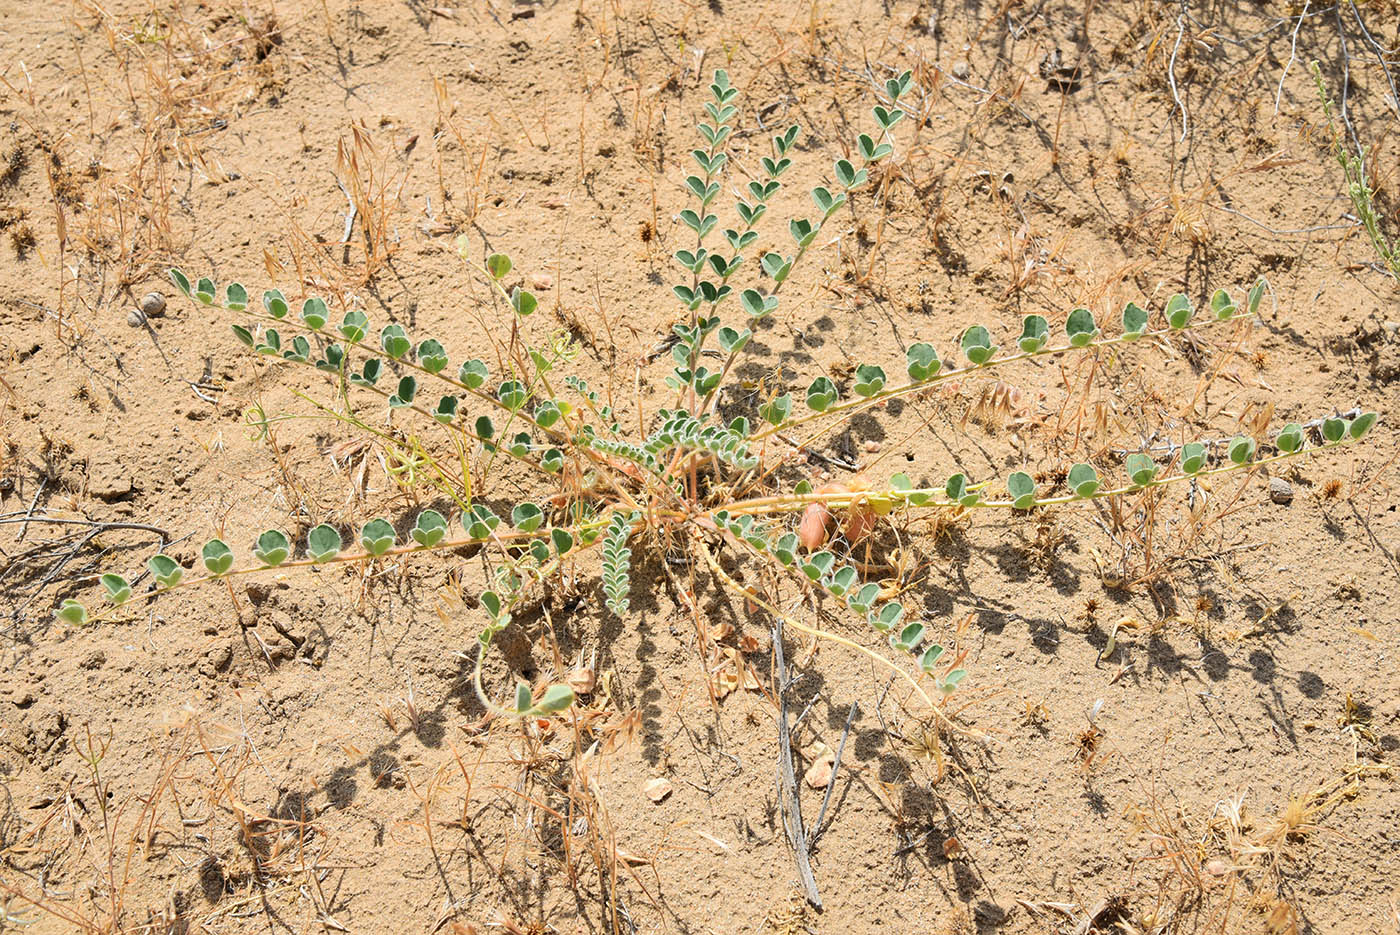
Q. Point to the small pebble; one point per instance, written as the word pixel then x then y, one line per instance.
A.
pixel 1280 491
pixel 961 71
pixel 153 305
pixel 136 318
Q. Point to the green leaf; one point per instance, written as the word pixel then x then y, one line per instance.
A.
pixel 243 335
pixel 369 374
pixel 204 290
pixel 1022 490
pixel 272 548
pixel 473 374
pixel 377 536
pixel 776 410
pixel 70 611
pixel 1362 424
pixel 479 521
pixel 922 361
pixel 864 598
pixel 430 528
pixel 821 395
pixel 909 638
pixel 1222 306
pixel 432 356
pixel 523 700
pixel 1083 480
pixel 235 297
pixel 977 345
pixel 1290 438
pixel 523 302
pixel 901 483
pixel 526 517
pixel 354 326
pixel 485 428
pixel 395 341
pixel 491 602
pixel 731 341
pixel 818 564
pixel 562 540
pixel 182 283
pixel 118 590
pixel 314 313
pixel 802 231
pixel 887 617
pixel 556 698
pixel 275 303
pixel 1179 311
pixel 870 379
pixel 407 390
pixel 218 557
pixel 1081 328
pixel 446 410
pixel 928 660
pixel 498 265
pixel 323 543
pixel 520 444
pixel 1241 449
pixel 1334 430
pixel 1193 457
pixel 785 549
pixel 552 460
pixel 1134 321
pixel 1035 331
pixel 1142 470
pixel 1256 294
pixel 547 413
pixel 841 581
pixel 757 305
pixel 165 570
pixel 512 395
pixel 950 681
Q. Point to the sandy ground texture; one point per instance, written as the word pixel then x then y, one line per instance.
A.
pixel 1191 732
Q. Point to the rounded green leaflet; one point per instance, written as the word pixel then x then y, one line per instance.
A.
pixel 818 565
pixel 431 356
pixel 1178 311
pixel 1290 438
pixel 949 683
pixel 1035 331
pixel 446 409
pixel 218 557
pixel 1222 306
pixel 377 536
pixel 118 590
pixel 395 341
pixel 870 379
pixel 430 528
pixel 1193 457
pixel 547 413
pixel 520 445
pixel 928 660
pixel 165 570
pixel 512 395
pixel 1241 449
pixel 776 410
pixel 909 638
pixel 887 616
pixel 313 312
pixel 1083 480
pixel 1022 489
pixel 523 700
pixel 407 390
pixel 323 543
pixel 864 598
pixel 842 580
pixel 526 517
pixel 181 281
pixel 1362 424
pixel 977 345
pixel 1256 294
pixel 562 540
pixel 786 548
pixel 1142 470
pixel 1134 321
pixel 354 326
pixel 1081 328
pixel 498 265
pixel 821 395
pixel 70 611
pixel 523 302
pixel 552 460
pixel 204 290
pixel 235 297
pixel 556 698
pixel 1334 429
pixel 275 303
pixel 243 335
pixel 473 374
pixel 921 361
pixel 479 521
pixel 272 547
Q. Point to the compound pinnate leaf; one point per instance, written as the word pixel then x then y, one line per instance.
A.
pixel 323 543
pixel 430 528
pixel 377 536
pixel 217 557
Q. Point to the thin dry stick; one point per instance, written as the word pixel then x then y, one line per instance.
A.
pixel 787 780
pixel 835 768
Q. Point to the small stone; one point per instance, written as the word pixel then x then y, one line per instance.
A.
pixel 136 318
pixel 961 71
pixel 542 282
pixel 93 660
pixel 1280 491
pixel 153 305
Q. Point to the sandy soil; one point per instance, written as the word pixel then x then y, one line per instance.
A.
pixel 1208 750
